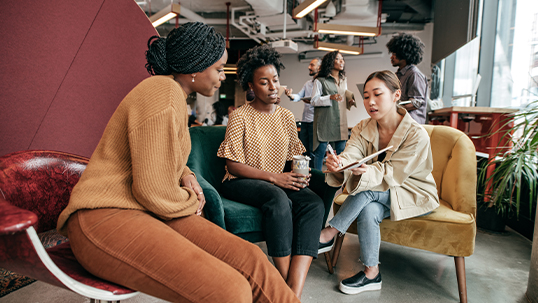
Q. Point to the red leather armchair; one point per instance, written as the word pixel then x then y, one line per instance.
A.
pixel 34 188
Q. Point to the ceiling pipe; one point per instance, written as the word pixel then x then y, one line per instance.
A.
pixel 187 13
pixel 207 21
pixel 239 27
pixel 285 20
pixel 291 34
pixel 350 40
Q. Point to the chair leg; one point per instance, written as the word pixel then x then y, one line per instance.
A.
pixel 337 247
pixel 329 263
pixel 460 275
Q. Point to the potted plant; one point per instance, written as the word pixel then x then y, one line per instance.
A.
pixel 515 171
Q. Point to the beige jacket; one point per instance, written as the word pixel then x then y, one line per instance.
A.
pixel 405 171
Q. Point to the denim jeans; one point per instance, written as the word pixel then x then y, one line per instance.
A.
pixel 319 153
pixel 292 219
pixel 369 208
pixel 307 137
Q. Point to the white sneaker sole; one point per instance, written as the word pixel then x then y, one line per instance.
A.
pixel 354 290
pixel 325 249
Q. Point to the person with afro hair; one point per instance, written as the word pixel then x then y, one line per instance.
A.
pixel 406 52
pixel 261 138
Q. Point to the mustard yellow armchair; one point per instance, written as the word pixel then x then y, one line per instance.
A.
pixel 451 229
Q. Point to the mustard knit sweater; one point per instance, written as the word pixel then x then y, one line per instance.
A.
pixel 141 157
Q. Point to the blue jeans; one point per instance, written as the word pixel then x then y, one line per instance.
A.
pixel 369 208
pixel 319 153
pixel 292 220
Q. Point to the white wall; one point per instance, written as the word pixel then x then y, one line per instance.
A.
pixel 357 69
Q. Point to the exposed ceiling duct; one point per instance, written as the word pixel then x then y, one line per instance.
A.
pixel 265 20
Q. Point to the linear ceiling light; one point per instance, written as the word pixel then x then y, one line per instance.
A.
pixel 339 29
pixel 306 7
pixel 346 49
pixel 230 69
pixel 165 14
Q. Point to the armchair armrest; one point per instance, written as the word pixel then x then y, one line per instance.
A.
pixel 213 208
pixel 14 219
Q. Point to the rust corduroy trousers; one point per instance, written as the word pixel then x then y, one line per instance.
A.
pixel 188 259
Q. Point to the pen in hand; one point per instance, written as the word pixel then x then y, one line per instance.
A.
pixel 331 150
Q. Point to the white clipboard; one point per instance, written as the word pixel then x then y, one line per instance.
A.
pixel 360 162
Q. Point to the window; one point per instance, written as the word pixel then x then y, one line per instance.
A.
pixel 515 73
pixel 465 73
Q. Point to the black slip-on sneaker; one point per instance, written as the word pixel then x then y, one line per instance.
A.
pixel 325 247
pixel 359 283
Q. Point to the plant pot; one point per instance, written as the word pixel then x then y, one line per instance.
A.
pixel 487 218
pixel 532 290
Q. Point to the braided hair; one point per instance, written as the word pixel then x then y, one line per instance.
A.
pixel 407 47
pixel 255 58
pixel 327 65
pixel 190 48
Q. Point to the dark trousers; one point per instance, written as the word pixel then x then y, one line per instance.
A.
pixel 292 219
pixel 307 136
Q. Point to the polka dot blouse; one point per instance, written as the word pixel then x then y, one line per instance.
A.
pixel 263 141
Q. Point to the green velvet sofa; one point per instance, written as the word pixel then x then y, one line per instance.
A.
pixel 242 220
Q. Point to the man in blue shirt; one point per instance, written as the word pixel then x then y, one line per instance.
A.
pixel 307 130
pixel 406 52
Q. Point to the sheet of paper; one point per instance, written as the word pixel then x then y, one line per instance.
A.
pixel 361 161
pixel 281 89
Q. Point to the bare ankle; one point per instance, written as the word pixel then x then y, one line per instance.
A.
pixel 371 271
pixel 327 234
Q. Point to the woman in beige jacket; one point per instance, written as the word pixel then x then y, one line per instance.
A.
pixel 397 183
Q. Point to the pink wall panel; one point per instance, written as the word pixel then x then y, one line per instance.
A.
pixel 37 50
pixel 107 63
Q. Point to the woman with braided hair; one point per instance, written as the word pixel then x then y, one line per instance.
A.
pixel 134 216
pixel 260 138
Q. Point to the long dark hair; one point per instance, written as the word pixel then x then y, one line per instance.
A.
pixel 327 65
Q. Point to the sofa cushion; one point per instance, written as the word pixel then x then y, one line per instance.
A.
pixel 443 231
pixel 241 218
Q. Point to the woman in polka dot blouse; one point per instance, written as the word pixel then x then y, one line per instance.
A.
pixel 260 138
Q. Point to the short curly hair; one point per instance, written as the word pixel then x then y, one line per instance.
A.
pixel 407 47
pixel 255 58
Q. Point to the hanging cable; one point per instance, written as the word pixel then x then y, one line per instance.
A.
pixel 228 24
pixel 316 38
pixel 379 17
